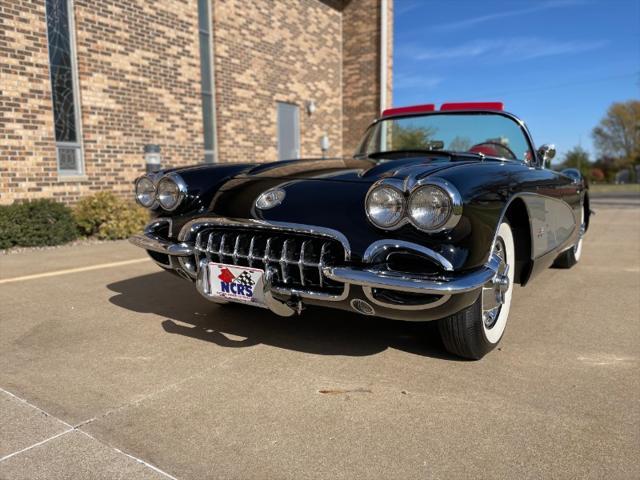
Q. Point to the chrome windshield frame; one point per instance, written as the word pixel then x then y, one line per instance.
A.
pixel 523 127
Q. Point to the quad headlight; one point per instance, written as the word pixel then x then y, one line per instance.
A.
pixel 168 193
pixel 429 207
pixel 145 192
pixel 433 205
pixel 385 206
pixel 171 191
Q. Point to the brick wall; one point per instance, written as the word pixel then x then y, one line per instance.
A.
pixel 139 70
pixel 27 153
pixel 361 67
pixel 139 82
pixel 267 51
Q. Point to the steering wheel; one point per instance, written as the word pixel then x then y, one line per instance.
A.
pixel 511 156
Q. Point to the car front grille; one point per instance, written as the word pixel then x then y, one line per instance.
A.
pixel 296 259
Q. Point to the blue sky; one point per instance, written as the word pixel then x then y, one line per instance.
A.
pixel 557 64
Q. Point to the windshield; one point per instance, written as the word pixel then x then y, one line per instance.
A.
pixel 483 133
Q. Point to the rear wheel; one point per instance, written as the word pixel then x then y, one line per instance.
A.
pixel 476 330
pixel 569 258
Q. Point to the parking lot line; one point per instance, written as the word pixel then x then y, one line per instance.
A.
pixel 67 271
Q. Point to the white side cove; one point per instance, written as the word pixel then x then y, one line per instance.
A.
pixel 383 54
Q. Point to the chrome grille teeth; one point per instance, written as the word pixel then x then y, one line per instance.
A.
pixel 298 260
pixel 302 259
pixel 252 245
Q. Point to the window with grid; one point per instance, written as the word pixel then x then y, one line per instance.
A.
pixel 64 86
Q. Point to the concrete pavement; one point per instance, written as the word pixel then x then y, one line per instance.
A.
pixel 124 371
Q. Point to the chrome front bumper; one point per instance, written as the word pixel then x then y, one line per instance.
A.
pixel 447 284
pixel 160 245
pixel 150 240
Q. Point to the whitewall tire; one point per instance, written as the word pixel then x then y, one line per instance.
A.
pixel 476 330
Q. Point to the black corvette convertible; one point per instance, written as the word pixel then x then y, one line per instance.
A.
pixel 435 217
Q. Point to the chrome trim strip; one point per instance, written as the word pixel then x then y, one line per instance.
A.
pixel 368 277
pixel 381 247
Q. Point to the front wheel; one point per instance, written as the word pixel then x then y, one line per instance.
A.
pixel 476 330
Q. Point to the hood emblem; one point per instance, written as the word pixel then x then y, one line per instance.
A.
pixel 270 198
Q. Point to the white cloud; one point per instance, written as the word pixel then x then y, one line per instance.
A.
pixel 404 81
pixel 508 49
pixel 405 6
pixel 472 21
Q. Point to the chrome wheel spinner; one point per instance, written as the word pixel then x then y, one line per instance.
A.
pixel 494 291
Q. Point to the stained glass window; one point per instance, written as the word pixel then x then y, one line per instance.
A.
pixel 61 66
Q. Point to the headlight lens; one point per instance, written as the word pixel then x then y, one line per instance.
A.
pixel 385 206
pixel 145 192
pixel 169 194
pixel 430 207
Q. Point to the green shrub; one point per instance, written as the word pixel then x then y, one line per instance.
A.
pixel 107 216
pixel 36 223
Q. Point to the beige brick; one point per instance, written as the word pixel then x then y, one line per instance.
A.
pixel 139 82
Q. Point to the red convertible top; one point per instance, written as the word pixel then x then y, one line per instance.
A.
pixel 445 107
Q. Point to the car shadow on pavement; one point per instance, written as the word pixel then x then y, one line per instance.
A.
pixel 319 330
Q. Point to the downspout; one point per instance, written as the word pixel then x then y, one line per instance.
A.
pixel 383 54
pixel 383 71
pixel 212 63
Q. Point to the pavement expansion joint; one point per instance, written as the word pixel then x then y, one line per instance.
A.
pixel 77 428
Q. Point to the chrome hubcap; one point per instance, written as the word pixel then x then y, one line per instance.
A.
pixel 493 293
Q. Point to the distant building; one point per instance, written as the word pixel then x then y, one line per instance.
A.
pixel 85 85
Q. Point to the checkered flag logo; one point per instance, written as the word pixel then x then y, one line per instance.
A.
pixel 245 279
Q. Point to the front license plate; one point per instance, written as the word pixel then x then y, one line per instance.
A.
pixel 237 284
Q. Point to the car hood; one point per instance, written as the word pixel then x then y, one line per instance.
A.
pixel 348 169
pixel 328 193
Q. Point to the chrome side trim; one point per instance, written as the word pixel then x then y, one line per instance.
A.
pixel 380 247
pixel 451 285
pixel 535 243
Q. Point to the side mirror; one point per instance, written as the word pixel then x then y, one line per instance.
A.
pixel 545 153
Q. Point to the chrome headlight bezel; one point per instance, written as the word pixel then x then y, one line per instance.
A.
pixel 153 203
pixel 401 203
pixel 407 189
pixel 180 191
pixel 453 205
